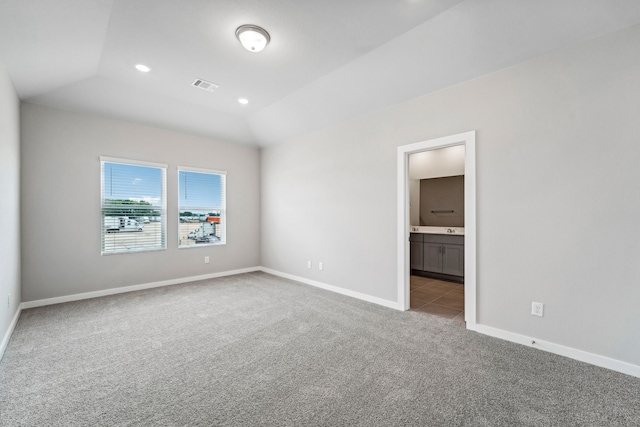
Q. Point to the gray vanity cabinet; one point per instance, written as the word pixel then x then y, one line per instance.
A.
pixel 415 245
pixel 453 260
pixel 442 254
pixel 432 257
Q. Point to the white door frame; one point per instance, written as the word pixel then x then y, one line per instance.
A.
pixel 468 139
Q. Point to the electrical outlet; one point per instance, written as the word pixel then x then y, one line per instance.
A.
pixel 308 264
pixel 537 309
pixel 319 266
pixel 206 260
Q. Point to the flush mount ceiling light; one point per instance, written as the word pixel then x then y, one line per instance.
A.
pixel 143 68
pixel 252 37
pixel 243 101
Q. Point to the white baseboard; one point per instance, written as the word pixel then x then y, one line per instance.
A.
pixel 572 353
pixel 113 291
pixel 7 335
pixel 336 289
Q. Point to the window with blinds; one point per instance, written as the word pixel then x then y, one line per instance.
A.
pixel 134 206
pixel 201 207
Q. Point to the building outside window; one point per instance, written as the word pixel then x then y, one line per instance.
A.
pixel 133 206
pixel 201 207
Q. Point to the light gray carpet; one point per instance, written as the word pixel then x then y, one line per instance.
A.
pixel 255 349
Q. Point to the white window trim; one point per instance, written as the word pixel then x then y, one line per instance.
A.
pixel 223 201
pixel 163 223
pixel 201 170
pixel 133 162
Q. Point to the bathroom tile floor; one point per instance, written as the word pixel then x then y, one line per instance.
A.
pixel 437 297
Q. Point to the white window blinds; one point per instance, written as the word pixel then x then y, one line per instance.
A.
pixel 133 206
pixel 201 207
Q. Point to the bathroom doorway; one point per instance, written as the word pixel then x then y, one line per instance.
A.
pixel 432 288
pixel 436 201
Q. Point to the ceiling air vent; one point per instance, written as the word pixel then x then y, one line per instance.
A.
pixel 205 85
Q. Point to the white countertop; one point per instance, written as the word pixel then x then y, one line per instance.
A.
pixel 426 229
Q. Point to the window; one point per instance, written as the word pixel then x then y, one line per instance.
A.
pixel 133 206
pixel 201 207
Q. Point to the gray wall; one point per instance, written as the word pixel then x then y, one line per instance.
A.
pixel 61 203
pixel 9 201
pixel 557 188
pixel 442 194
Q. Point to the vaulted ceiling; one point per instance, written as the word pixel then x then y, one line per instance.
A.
pixel 328 61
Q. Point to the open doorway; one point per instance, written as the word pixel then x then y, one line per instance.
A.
pixel 465 141
pixel 436 216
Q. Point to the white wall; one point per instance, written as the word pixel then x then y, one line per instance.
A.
pixel 61 203
pixel 9 202
pixel 557 188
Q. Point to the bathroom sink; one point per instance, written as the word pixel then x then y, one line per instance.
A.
pixel 427 229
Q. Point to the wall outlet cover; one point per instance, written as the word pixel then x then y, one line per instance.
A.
pixel 537 309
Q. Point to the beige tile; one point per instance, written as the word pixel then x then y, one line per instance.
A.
pixel 457 294
pixel 419 280
pixel 416 303
pixel 426 294
pixel 459 318
pixel 444 286
pixel 422 298
pixel 416 285
pixel 440 311
pixel 451 301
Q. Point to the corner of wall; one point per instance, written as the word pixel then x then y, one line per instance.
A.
pixel 10 247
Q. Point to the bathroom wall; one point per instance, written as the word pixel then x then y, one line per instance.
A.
pixel 442 194
pixel 444 162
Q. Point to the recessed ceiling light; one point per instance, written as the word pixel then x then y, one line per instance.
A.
pixel 243 101
pixel 143 68
pixel 252 37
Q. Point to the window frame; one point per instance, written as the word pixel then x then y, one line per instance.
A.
pixel 222 209
pixel 163 208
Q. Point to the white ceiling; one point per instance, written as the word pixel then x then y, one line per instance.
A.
pixel 328 61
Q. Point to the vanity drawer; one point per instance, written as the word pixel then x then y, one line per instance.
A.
pixel 443 238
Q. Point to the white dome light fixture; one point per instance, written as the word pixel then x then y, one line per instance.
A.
pixel 252 37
